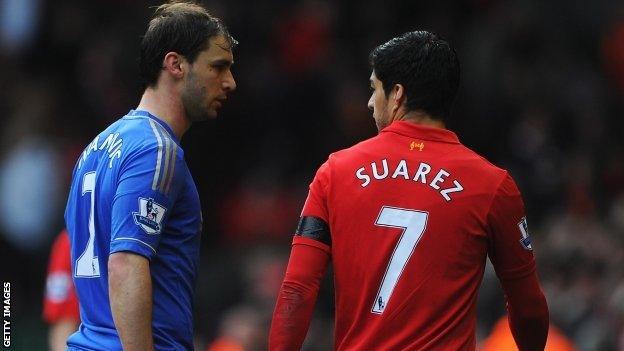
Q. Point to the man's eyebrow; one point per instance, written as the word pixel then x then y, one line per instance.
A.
pixel 222 62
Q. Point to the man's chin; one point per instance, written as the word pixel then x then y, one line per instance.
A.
pixel 212 114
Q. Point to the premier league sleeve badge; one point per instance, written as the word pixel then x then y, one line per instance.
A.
pixel 150 216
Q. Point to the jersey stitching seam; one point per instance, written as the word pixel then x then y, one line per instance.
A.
pixel 426 138
pixel 134 239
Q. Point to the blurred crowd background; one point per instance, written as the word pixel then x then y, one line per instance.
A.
pixel 542 94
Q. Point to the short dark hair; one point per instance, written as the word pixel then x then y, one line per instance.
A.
pixel 426 66
pixel 180 26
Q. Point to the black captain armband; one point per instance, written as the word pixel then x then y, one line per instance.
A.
pixel 314 228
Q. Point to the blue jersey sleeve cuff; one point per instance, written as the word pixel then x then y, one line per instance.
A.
pixel 133 245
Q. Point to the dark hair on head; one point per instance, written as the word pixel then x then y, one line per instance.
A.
pixel 179 26
pixel 425 65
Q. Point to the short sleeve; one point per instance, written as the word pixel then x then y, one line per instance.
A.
pixel 313 229
pixel 60 300
pixel 146 190
pixel 316 202
pixel 510 248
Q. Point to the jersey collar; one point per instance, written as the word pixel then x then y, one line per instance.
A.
pixel 419 131
pixel 143 113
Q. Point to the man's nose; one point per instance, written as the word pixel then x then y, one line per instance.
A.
pixel 229 84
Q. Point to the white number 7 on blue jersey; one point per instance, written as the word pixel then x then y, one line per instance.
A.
pixel 413 223
pixel 87 265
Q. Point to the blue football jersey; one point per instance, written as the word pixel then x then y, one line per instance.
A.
pixel 132 191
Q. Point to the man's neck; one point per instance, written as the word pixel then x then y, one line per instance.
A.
pixel 166 107
pixel 418 117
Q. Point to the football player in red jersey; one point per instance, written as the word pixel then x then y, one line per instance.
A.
pixel 60 305
pixel 407 219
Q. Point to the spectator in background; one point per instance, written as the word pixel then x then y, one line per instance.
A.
pixel 60 305
pixel 241 329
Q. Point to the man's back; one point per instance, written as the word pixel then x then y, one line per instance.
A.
pixel 410 217
pixel 131 191
pixel 407 219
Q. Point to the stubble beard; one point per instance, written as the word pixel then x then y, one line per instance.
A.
pixel 382 121
pixel 193 100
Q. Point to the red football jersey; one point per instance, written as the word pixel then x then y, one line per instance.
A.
pixel 412 215
pixel 60 300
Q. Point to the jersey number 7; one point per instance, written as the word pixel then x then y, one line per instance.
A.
pixel 413 224
pixel 87 265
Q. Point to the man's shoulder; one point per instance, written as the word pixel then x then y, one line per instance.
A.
pixel 475 161
pixel 139 133
pixel 130 138
pixel 143 130
pixel 452 156
pixel 356 151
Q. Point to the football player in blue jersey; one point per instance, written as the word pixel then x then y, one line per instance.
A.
pixel 133 212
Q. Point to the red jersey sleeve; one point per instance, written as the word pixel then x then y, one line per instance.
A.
pixel 511 254
pixel 316 203
pixel 309 257
pixel 510 248
pixel 60 300
pixel 316 206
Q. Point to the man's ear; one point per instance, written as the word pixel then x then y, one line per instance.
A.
pixel 175 64
pixel 398 96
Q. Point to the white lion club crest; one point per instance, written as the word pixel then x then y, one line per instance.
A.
pixel 150 215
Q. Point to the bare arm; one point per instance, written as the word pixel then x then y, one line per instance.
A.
pixel 130 291
pixel 59 332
